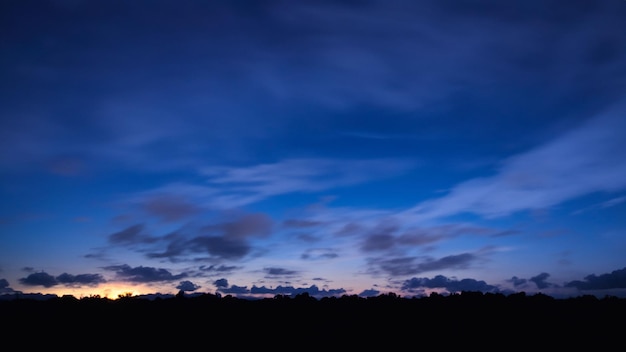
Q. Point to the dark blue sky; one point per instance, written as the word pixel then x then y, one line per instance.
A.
pixel 334 147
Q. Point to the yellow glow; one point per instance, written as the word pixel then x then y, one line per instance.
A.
pixel 110 291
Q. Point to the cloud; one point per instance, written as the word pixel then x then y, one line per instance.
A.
pixel 223 286
pixel 143 274
pixel 170 208
pixel 540 281
pixel 227 237
pixel 450 285
pixel 215 246
pixel 243 185
pixel 312 291
pixel 221 283
pixel 586 160
pixel 603 205
pixel 404 266
pixel 246 225
pixel 187 286
pixel 80 280
pixel 229 187
pixel 5 287
pixel 130 235
pixel 336 56
pixel 218 269
pixel 613 280
pixel 274 272
pixel 46 280
pixel 234 290
pixel 319 254
pixel 387 236
pixel 369 293
pixel 516 281
pixel 39 279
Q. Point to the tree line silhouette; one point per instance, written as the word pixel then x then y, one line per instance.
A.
pixel 462 319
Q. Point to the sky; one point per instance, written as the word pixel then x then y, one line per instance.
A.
pixel 257 148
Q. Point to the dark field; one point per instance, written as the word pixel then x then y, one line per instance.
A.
pixel 468 320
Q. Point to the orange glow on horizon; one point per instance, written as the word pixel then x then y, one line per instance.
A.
pixel 110 291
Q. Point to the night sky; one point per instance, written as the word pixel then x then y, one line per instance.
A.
pixel 256 148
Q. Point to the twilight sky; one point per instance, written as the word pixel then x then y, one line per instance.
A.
pixel 257 148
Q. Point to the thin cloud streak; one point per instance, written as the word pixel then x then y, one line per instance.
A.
pixel 233 187
pixel 586 160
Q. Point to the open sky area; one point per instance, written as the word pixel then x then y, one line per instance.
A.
pixel 256 148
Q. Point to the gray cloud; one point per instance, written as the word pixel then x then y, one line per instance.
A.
pixel 220 247
pixel 170 208
pixel 404 266
pixel 246 225
pixel 225 238
pixel 369 293
pixel 613 280
pixel 450 285
pixel 540 281
pixel 5 288
pixel 80 280
pixel 143 273
pixel 187 286
pixel 279 272
pixel 131 235
pixel 312 291
pixel 46 280
pixel 234 290
pixel 516 281
pixel 39 279
pixel 221 269
pixel 221 283
pixel 390 236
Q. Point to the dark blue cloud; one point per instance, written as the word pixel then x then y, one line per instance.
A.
pixel 612 280
pixel 221 283
pixel 450 285
pixel 312 291
pixel 540 281
pixel 402 266
pixel 187 286
pixel 81 279
pixel 274 272
pixel 143 273
pixel 46 280
pixel 39 279
pixel 131 235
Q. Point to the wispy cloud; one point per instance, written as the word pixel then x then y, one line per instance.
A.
pixel 304 175
pixel 227 237
pixel 232 187
pixel 406 266
pixel 588 159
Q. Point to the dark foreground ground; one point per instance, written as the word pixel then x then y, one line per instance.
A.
pixel 387 322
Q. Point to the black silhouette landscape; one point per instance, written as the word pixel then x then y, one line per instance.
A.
pixel 467 319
